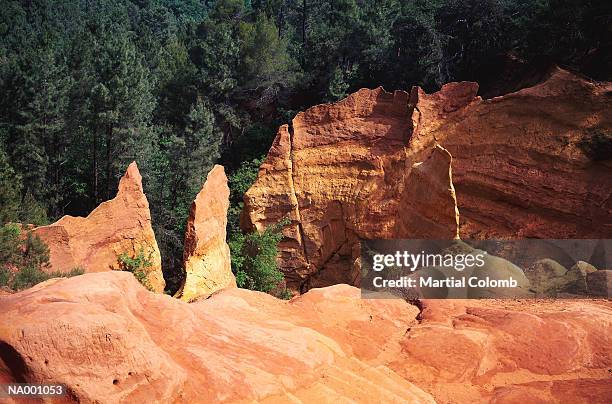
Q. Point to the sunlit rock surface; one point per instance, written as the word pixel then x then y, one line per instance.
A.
pixel 121 225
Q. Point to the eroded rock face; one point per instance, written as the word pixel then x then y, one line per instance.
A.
pixel 524 165
pixel 120 225
pixel 510 351
pixel 428 205
pixel 341 173
pixel 101 335
pixel 206 256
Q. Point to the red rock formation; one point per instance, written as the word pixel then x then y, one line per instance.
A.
pixel 523 163
pixel 343 173
pixel 523 166
pixel 120 225
pixel 206 256
pixel 109 340
pixel 428 205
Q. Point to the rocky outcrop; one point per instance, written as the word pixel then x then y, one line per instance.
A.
pixel 547 277
pixel 527 164
pixel 104 339
pixel 341 173
pixel 428 206
pixel 580 272
pixel 101 335
pixel 120 225
pixel 510 351
pixel 206 256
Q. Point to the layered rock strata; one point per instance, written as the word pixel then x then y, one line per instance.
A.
pixel 534 163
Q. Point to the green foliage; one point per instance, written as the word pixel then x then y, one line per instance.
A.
pixel 5 277
pixel 34 252
pixel 139 265
pixel 339 84
pixel 24 259
pixel 244 177
pixel 10 189
pixel 239 182
pixel 14 207
pixel 20 249
pixel 31 211
pixel 27 277
pixel 254 258
pixel 10 245
pixel 285 295
pixel 265 61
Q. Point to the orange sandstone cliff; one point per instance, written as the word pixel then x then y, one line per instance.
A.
pixel 120 225
pixel 523 165
pixel 533 163
pixel 206 255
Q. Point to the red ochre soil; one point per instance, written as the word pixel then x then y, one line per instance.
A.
pixel 109 340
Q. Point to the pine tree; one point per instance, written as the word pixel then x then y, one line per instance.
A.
pixel 10 190
pixel 120 105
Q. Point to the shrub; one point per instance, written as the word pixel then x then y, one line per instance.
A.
pixel 254 258
pixel 285 295
pixel 27 277
pixel 10 245
pixel 239 183
pixel 139 266
pixel 5 277
pixel 253 255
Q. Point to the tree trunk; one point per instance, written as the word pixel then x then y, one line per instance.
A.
pixel 280 19
pixel 304 17
pixel 109 148
pixel 95 166
pixel 55 161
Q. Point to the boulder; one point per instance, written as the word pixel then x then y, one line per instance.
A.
pixel 346 171
pixel 121 225
pixel 547 277
pixel 599 283
pixel 580 271
pixel 111 341
pixel 206 255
